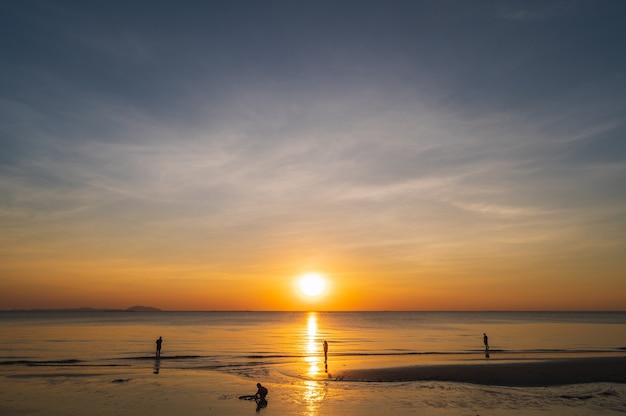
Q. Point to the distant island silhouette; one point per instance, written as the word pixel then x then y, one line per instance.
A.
pixel 138 308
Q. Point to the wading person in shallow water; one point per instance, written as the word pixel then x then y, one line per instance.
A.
pixel 486 342
pixel 158 347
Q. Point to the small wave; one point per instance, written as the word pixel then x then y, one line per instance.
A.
pixel 557 351
pixel 164 357
pixel 40 362
pixel 53 375
pixel 583 397
pixel 261 356
pixel 121 380
pixel 408 353
pixel 56 363
pixel 609 393
pixel 478 351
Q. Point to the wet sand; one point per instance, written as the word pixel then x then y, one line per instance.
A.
pixel 66 393
pixel 442 389
pixel 550 372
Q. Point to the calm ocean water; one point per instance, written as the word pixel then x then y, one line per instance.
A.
pixel 242 342
pixel 78 354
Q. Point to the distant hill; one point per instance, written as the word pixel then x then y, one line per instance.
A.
pixel 142 309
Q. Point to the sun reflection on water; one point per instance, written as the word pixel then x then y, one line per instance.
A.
pixel 313 394
pixel 314 391
pixel 312 356
pixel 312 332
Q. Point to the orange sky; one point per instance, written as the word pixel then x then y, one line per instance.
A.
pixel 361 283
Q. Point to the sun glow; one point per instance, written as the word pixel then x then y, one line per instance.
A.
pixel 312 284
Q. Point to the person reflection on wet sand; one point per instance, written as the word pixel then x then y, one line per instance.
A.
pixel 261 404
pixel 157 366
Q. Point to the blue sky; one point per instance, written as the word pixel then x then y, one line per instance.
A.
pixel 411 147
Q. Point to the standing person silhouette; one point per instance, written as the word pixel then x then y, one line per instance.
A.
pixel 158 347
pixel 486 342
pixel 325 351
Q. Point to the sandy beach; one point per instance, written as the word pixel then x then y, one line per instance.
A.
pixel 548 372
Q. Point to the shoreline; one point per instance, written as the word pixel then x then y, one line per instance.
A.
pixel 548 372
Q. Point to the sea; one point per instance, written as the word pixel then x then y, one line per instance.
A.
pixel 281 346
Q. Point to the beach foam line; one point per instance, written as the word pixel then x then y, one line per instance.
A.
pixel 57 363
pixel 42 362
pixel 162 357
pixel 53 375
pixel 548 372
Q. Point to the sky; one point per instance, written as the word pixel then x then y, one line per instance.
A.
pixel 420 155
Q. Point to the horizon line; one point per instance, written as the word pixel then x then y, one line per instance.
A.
pixel 156 310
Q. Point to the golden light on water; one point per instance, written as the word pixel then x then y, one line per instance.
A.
pixel 312 353
pixel 311 332
pixel 314 391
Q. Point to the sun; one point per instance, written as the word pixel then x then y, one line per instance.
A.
pixel 312 284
